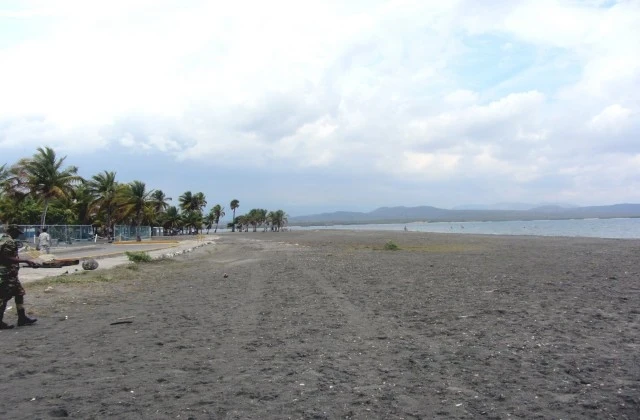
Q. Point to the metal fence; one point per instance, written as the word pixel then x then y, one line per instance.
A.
pixel 69 234
pixel 129 233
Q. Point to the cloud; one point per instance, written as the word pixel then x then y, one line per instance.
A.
pixel 524 94
pixel 613 118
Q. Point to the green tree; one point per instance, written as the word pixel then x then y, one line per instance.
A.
pixel 193 202
pixel 256 217
pixel 241 221
pixel 45 178
pixel 103 188
pixel 193 219
pixel 135 199
pixel 218 213
pixel 209 220
pixel 187 201
pixel 171 219
pixel 233 206
pixel 159 201
pixel 200 202
pixel 278 219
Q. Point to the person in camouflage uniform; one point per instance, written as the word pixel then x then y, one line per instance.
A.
pixel 10 286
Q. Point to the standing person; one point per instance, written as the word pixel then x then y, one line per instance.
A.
pixel 44 241
pixel 10 286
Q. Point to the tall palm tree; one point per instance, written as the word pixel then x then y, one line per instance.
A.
pixel 200 201
pixel 233 206
pixel 45 178
pixel 185 200
pixel 103 187
pixel 193 202
pixel 135 198
pixel 209 220
pixel 159 201
pixel 218 212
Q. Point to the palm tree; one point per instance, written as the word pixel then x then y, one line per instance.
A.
pixel 233 206
pixel 171 218
pixel 159 201
pixel 209 220
pixel 186 201
pixel 241 221
pixel 262 217
pixel 81 205
pixel 135 198
pixel 218 212
pixel 193 219
pixel 44 177
pixel 103 187
pixel 278 219
pixel 256 217
pixel 200 202
pixel 192 202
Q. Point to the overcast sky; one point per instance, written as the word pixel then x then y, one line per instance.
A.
pixel 313 106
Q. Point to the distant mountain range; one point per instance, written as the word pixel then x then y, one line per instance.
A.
pixel 434 214
pixel 509 206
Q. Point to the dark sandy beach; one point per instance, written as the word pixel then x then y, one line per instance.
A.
pixel 315 325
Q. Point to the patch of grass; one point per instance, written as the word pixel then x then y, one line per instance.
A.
pixel 72 279
pixel 427 248
pixel 138 257
pixel 391 246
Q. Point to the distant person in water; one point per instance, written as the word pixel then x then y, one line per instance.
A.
pixel 405 229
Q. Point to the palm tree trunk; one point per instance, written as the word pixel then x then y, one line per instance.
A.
pixel 44 212
pixel 233 225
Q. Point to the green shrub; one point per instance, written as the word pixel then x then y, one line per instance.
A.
pixel 139 256
pixel 391 246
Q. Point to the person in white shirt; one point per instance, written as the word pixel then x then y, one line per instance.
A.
pixel 44 241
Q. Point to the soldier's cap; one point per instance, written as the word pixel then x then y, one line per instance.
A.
pixel 14 228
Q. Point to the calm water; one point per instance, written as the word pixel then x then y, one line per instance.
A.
pixel 594 228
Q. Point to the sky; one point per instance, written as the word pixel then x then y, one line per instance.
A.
pixel 315 106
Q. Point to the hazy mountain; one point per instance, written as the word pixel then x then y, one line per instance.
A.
pixel 510 206
pixel 433 214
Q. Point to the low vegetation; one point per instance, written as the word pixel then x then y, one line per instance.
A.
pixel 391 246
pixel 138 257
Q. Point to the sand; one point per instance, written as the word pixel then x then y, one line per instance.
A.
pixel 330 325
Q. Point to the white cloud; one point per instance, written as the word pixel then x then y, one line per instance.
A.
pixel 614 118
pixel 384 88
pixel 461 97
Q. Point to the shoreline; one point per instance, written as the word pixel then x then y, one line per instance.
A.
pixel 627 228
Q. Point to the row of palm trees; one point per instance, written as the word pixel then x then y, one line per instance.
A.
pixel 41 190
pixel 274 220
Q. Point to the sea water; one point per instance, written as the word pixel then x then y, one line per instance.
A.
pixel 593 228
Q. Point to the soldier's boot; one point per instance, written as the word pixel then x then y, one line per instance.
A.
pixel 3 326
pixel 23 319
